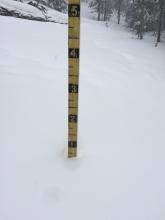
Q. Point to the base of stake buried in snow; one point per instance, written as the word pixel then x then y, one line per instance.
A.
pixel 80 154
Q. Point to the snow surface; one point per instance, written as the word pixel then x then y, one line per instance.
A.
pixel 56 16
pixel 121 175
pixel 21 7
pixel 26 9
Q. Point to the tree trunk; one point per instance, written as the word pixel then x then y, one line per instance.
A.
pixel 99 10
pixel 142 20
pixel 105 10
pixel 160 21
pixel 119 11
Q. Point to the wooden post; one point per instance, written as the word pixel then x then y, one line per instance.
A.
pixel 73 61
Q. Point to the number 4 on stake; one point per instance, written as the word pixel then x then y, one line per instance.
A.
pixel 73 60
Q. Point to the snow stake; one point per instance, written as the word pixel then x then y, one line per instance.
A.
pixel 73 61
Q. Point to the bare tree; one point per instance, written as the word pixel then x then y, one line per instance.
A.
pixel 160 21
pixel 119 10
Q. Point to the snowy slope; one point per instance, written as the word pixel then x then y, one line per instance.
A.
pixel 121 175
pixel 56 15
pixel 28 10
pixel 21 7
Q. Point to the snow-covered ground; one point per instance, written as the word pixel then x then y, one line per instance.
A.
pixel 21 7
pixel 28 10
pixel 121 175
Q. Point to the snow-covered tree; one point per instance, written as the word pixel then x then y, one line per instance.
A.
pixel 60 5
pixel 145 15
pixel 103 8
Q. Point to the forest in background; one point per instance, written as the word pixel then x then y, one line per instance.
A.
pixel 141 16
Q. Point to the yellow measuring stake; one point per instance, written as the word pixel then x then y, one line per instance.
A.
pixel 73 61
